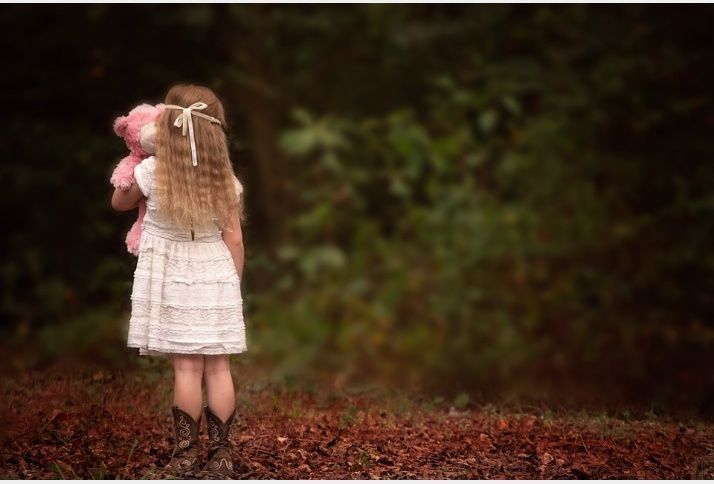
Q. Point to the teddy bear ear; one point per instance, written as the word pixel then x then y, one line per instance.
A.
pixel 120 125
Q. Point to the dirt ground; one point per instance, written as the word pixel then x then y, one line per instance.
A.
pixel 96 423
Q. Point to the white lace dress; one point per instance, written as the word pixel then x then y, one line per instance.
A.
pixel 186 296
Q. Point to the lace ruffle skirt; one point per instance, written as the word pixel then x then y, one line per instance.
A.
pixel 186 297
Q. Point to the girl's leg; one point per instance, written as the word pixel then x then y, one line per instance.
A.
pixel 219 385
pixel 188 373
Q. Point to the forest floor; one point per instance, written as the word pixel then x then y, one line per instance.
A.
pixel 97 423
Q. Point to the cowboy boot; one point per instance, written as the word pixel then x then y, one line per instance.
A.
pixel 219 456
pixel 184 457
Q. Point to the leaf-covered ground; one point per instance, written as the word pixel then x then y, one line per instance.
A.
pixel 94 423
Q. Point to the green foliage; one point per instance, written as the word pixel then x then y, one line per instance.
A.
pixel 519 221
pixel 461 400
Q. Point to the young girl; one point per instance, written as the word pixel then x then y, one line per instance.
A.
pixel 186 298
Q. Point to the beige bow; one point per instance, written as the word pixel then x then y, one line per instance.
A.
pixel 185 120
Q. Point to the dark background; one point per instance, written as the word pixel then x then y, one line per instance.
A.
pixel 493 201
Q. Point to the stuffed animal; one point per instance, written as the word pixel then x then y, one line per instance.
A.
pixel 137 129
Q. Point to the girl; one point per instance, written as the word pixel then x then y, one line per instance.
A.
pixel 186 298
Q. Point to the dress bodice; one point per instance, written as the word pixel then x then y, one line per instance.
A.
pixel 156 223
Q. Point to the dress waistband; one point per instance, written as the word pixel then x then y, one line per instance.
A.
pixel 187 236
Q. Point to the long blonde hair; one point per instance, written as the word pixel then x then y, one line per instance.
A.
pixel 190 196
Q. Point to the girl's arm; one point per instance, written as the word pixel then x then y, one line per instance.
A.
pixel 123 200
pixel 233 238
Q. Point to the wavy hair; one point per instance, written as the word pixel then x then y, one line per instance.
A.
pixel 191 196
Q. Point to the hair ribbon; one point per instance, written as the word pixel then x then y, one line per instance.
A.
pixel 185 121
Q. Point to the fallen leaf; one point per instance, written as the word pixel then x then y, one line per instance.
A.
pixel 546 458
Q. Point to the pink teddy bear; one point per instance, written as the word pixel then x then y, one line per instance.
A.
pixel 137 129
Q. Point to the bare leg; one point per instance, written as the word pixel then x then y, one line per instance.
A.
pixel 219 385
pixel 188 373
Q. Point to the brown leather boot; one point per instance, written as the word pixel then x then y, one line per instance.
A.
pixel 219 462
pixel 184 458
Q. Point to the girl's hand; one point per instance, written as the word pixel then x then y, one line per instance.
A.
pixel 124 200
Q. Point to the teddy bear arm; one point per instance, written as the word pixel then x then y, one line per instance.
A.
pixel 123 175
